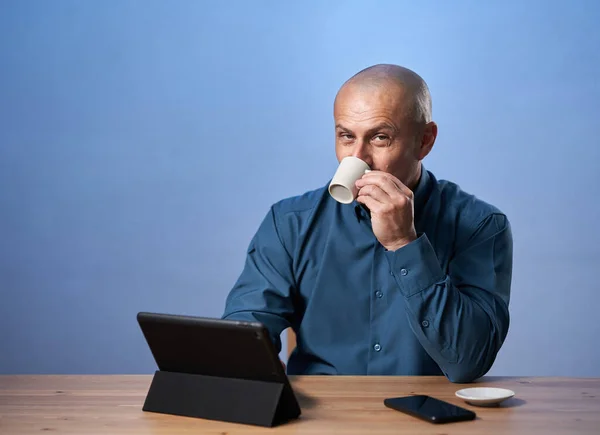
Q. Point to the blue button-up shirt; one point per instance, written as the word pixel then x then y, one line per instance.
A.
pixel 438 305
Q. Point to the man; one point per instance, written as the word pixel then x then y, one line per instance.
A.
pixel 413 278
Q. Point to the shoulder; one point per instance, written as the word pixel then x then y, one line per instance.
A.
pixel 475 216
pixel 293 215
pixel 462 201
pixel 300 204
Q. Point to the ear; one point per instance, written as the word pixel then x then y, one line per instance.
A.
pixel 427 139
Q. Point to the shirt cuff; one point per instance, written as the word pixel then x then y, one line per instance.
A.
pixel 415 266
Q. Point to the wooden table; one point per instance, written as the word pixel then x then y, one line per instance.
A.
pixel 346 405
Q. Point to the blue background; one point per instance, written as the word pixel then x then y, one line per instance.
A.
pixel 142 142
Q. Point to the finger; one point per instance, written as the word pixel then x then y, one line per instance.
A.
pixel 382 204
pixel 374 206
pixel 399 184
pixel 388 183
pixel 375 192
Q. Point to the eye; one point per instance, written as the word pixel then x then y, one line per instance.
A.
pixel 381 140
pixel 345 136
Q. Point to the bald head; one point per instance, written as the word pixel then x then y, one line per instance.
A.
pixel 396 79
pixel 383 117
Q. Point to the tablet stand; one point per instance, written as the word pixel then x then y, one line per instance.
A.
pixel 225 399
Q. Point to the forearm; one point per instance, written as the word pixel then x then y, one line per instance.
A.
pixel 262 292
pixel 256 298
pixel 462 329
pixel 273 322
pixel 461 336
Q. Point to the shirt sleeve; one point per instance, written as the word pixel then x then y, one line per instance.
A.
pixel 461 317
pixel 263 291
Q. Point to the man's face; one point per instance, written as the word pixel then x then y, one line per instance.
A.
pixel 373 124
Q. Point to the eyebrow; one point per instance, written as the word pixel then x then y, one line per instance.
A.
pixel 381 126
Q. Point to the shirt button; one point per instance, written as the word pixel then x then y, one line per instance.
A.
pixel 403 272
pixel 379 294
pixel 377 347
pixel 424 323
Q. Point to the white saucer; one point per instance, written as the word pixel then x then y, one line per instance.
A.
pixel 484 396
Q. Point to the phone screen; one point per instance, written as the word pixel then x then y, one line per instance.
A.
pixel 429 409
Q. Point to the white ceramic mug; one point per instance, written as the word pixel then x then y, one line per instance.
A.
pixel 342 187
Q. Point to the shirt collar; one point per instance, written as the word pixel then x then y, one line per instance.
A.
pixel 422 191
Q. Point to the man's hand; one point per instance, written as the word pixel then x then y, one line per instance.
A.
pixel 391 206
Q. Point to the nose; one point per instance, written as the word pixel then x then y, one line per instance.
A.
pixel 363 152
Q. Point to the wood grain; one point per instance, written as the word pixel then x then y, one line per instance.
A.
pixel 348 405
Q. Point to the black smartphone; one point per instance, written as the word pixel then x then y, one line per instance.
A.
pixel 429 409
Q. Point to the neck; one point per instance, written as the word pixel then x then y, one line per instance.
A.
pixel 414 180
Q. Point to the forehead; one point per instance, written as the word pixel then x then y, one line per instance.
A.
pixel 363 103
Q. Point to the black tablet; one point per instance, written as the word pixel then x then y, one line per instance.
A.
pixel 215 347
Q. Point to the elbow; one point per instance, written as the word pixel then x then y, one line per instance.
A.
pixel 466 373
pixel 473 365
pixel 462 376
